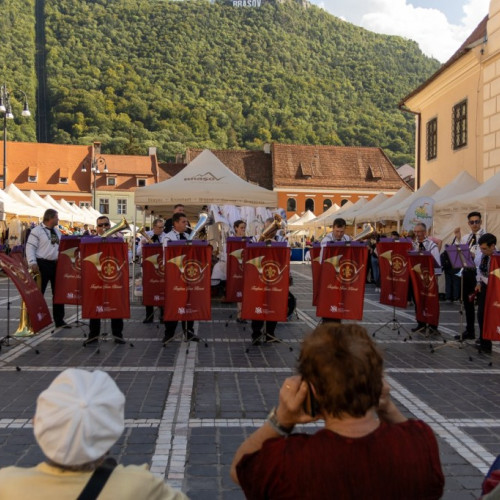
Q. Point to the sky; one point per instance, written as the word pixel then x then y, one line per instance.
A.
pixel 438 26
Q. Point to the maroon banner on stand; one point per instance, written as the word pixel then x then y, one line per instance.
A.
pixel 491 322
pixel 394 271
pixel 234 260
pixel 187 281
pixel 153 275
pixel 425 287
pixel 266 281
pixel 343 278
pixel 69 272
pixel 105 278
pixel 315 252
pixel 37 309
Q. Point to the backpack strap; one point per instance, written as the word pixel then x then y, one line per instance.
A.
pixel 98 479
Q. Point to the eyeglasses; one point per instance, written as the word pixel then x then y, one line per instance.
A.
pixel 477 221
pixel 104 224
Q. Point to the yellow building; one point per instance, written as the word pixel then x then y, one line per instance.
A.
pixel 457 110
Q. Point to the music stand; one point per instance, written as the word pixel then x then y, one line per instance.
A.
pixel 460 258
pixel 394 322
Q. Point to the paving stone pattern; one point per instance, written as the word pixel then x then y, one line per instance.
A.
pixel 190 406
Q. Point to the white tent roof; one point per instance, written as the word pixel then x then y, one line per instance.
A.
pixel 14 192
pixel 370 205
pixel 64 215
pixel 462 183
pixel 79 216
pixel 293 218
pixel 9 205
pixel 398 212
pixel 321 219
pixel 371 213
pixel 346 213
pixel 299 224
pixel 204 180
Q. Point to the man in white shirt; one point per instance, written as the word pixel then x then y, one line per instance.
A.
pixel 178 233
pixel 337 234
pixel 469 274
pixel 42 251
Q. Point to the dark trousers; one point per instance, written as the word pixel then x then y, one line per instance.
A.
pixel 48 274
pixel 257 325
pixel 469 277
pixel 481 301
pixel 170 327
pixel 452 284
pixel 95 327
pixel 150 312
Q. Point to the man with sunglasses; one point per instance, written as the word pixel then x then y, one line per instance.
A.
pixel 102 225
pixel 469 274
pixel 42 250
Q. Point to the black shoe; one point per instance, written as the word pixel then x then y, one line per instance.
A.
pixel 465 336
pixel 90 340
pixel 167 338
pixel 257 339
pixel 433 330
pixel 191 337
pixel 147 320
pixel 119 339
pixel 486 348
pixel 63 325
pixel 418 328
pixel 243 321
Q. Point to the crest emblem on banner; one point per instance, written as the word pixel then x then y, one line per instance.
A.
pixel 270 272
pixel 73 255
pixel 427 281
pixel 157 262
pixel 108 269
pixel 191 270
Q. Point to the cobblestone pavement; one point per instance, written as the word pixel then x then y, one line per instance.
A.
pixel 190 406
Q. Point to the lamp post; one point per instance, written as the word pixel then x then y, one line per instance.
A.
pixel 97 161
pixel 6 110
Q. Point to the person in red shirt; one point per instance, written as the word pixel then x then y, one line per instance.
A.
pixel 366 449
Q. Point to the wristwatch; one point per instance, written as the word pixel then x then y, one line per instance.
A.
pixel 272 420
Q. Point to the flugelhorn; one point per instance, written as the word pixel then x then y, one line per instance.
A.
pixel 145 235
pixel 271 230
pixel 367 231
pixel 122 226
pixel 202 222
pixel 24 328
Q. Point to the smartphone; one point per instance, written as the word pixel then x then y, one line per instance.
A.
pixel 310 403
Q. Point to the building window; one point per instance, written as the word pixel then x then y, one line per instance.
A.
pixel 122 206
pixel 310 204
pixel 291 205
pixel 111 181
pixel 84 204
pixel 63 180
pixel 141 182
pixel 327 203
pixel 432 139
pixel 343 202
pixel 460 125
pixel 32 178
pixel 104 206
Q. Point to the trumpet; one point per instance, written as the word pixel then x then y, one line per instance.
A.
pixel 270 231
pixel 202 222
pixel 368 230
pixel 24 329
pixel 122 226
pixel 145 235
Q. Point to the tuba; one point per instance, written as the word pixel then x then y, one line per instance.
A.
pixel 202 222
pixel 145 235
pixel 24 328
pixel 270 231
pixel 122 226
pixel 367 231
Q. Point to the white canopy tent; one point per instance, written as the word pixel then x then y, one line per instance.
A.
pixel 345 211
pixel 370 205
pixel 452 212
pixel 293 218
pixel 14 192
pixel 205 180
pixel 370 215
pixel 64 215
pixel 319 221
pixel 299 223
pixel 10 206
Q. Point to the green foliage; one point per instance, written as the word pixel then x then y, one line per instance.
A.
pixel 135 73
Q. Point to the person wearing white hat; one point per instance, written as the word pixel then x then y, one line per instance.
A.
pixel 77 421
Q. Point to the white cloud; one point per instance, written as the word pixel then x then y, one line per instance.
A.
pixel 429 27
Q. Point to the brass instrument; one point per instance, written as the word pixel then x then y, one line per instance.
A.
pixel 145 235
pixel 122 226
pixel 24 328
pixel 270 231
pixel 368 229
pixel 202 222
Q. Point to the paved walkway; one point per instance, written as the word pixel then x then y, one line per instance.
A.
pixel 189 407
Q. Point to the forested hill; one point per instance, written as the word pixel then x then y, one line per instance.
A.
pixel 171 74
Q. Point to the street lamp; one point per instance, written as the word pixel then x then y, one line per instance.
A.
pixel 97 161
pixel 6 110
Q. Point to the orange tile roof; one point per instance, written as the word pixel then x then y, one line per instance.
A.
pixel 129 165
pixel 168 170
pixel 333 167
pixel 251 166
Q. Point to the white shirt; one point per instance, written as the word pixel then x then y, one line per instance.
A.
pixel 40 246
pixel 173 236
pixel 143 240
pixel 329 238
pixel 466 240
pixel 430 246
